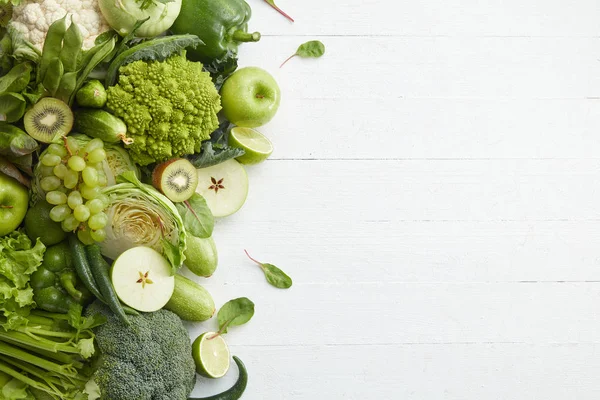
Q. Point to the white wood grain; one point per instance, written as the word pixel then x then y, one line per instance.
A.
pixel 434 192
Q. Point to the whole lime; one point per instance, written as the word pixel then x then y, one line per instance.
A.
pixel 39 225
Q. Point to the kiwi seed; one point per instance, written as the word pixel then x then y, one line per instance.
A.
pixel 49 119
pixel 177 179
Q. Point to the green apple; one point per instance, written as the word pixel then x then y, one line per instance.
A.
pixel 14 199
pixel 250 97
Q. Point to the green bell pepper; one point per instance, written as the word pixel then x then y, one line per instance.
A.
pixel 221 24
pixel 55 284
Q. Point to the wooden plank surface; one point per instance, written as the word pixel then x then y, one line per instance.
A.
pixel 434 192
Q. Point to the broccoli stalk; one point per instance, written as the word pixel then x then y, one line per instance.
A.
pixel 48 354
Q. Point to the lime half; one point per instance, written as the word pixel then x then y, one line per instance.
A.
pixel 211 355
pixel 257 147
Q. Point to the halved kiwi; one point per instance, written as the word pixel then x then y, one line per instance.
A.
pixel 177 179
pixel 6 11
pixel 48 120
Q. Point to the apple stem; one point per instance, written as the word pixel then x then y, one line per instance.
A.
pixel 3 206
pixel 279 10
pixel 260 96
pixel 288 59
pixel 250 257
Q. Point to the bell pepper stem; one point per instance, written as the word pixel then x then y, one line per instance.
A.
pixel 68 282
pixel 241 36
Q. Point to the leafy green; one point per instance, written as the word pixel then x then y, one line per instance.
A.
pixel 22 50
pixel 275 276
pixel 234 313
pixel 17 78
pixel 310 49
pixel 279 10
pixel 12 107
pixel 8 168
pixel 144 4
pixel 197 217
pixel 18 260
pixel 216 150
pixel 158 49
pixel 222 68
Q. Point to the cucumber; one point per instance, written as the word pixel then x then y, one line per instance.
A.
pixel 190 301
pixel 236 391
pixel 92 94
pixel 102 125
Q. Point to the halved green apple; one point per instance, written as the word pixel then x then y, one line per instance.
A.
pixel 224 187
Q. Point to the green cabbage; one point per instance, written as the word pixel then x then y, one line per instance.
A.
pixel 138 215
pixel 122 15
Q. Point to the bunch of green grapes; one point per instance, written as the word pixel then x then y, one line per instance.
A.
pixel 72 178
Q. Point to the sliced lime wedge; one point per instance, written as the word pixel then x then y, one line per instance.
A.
pixel 256 145
pixel 211 355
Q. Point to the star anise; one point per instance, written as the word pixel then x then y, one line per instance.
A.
pixel 216 184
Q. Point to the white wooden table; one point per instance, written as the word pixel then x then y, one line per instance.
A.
pixel 434 193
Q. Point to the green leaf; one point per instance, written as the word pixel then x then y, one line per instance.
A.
pixel 17 78
pixel 158 49
pixel 279 10
pixel 12 107
pixel 172 253
pixel 275 276
pixel 130 36
pixel 197 217
pixel 310 49
pixel 234 313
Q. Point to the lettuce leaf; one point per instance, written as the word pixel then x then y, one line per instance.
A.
pixel 18 260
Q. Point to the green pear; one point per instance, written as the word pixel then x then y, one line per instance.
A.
pixel 201 255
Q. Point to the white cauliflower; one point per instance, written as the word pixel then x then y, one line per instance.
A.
pixel 33 18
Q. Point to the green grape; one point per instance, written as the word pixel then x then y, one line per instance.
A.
pixel 98 235
pixel 50 160
pixel 96 156
pixel 74 199
pixel 88 192
pixel 73 145
pixel 70 223
pixel 59 213
pixel 57 149
pixel 71 179
pixel 90 176
pixel 85 237
pixel 95 205
pixel 60 170
pixel 76 163
pixel 50 183
pixel 93 145
pixel 81 213
pixel 102 180
pixel 63 189
pixel 56 198
pixel 45 170
pixel 104 199
pixel 98 221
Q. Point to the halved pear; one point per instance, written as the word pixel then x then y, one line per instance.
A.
pixel 224 187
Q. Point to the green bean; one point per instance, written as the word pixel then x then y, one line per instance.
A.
pixel 92 58
pixel 66 87
pixel 52 46
pixel 53 76
pixel 71 49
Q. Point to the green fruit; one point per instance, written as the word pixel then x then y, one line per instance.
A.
pixel 38 224
pixel 14 198
pixel 211 355
pixel 250 97
pixel 224 187
pixel 92 94
pixel 257 148
pixel 190 301
pixel 201 255
pixel 102 125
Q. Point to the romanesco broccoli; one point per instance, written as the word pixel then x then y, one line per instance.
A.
pixel 169 107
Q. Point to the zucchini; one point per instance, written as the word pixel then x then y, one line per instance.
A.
pixel 102 125
pixel 234 392
pixel 190 301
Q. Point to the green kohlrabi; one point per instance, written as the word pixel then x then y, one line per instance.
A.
pixel 122 15
pixel 138 215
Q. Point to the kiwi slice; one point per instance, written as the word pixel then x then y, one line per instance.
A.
pixel 48 120
pixel 6 11
pixel 177 179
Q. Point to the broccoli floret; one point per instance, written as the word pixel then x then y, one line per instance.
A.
pixel 149 360
pixel 169 107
